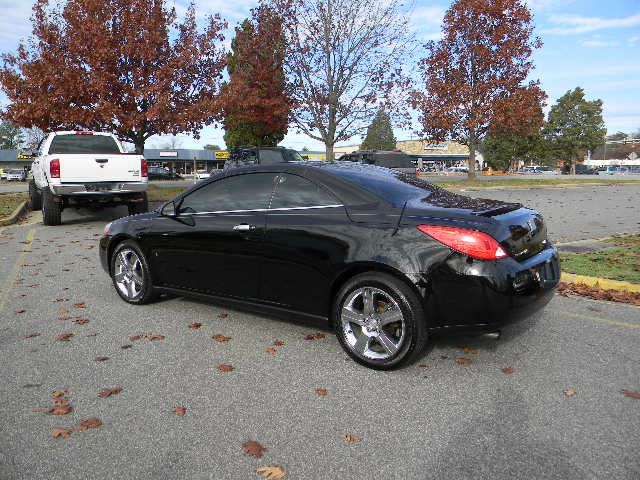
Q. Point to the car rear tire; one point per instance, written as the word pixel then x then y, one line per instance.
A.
pixel 379 321
pixel 139 207
pixel 35 197
pixel 51 211
pixel 131 274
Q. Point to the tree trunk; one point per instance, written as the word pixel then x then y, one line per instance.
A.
pixel 472 161
pixel 329 152
pixel 573 166
pixel 139 144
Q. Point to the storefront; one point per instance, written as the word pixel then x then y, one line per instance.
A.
pixel 185 161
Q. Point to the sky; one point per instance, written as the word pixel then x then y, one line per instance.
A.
pixel 594 44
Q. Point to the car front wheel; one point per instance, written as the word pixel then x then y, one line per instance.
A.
pixel 131 274
pixel 379 321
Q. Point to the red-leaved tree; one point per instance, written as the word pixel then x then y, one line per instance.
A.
pixel 255 101
pixel 125 66
pixel 471 74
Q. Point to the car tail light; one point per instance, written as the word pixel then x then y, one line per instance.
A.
pixel 84 133
pixel 144 168
pixel 470 242
pixel 54 168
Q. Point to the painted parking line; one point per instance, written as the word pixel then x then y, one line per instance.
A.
pixel 607 321
pixel 11 277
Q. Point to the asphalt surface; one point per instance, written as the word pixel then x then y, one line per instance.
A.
pixel 436 419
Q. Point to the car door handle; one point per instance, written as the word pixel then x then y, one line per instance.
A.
pixel 244 227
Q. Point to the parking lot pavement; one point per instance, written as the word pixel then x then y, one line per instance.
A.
pixel 435 419
pixel 578 213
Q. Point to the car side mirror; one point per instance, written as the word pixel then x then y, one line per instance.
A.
pixel 169 209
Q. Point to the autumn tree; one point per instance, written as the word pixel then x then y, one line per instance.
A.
pixel 344 60
pixel 212 147
pixel 10 136
pixel 483 58
pixel 123 66
pixel 575 126
pixel 256 104
pixel 379 134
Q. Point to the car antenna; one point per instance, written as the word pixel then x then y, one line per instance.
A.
pixel 400 218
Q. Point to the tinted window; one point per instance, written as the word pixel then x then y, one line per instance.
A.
pixel 98 144
pixel 268 157
pixel 242 192
pixel 293 191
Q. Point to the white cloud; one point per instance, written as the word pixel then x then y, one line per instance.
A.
pixel 600 43
pixel 426 22
pixel 633 40
pixel 14 23
pixel 571 24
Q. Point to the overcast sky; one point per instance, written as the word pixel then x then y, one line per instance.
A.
pixel 590 43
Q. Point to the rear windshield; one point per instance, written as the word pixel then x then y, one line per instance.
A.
pixel 98 144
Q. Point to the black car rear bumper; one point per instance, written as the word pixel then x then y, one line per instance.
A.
pixel 467 294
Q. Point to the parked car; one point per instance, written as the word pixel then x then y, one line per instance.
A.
pixel 3 174
pixel 202 174
pixel 161 173
pixel 581 170
pixel 86 169
pixel 16 175
pixel 242 156
pixel 390 159
pixel 386 258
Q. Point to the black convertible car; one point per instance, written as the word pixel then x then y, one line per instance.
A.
pixel 386 258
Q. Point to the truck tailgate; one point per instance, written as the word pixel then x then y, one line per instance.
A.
pixel 83 168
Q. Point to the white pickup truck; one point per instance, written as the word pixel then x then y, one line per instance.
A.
pixel 86 169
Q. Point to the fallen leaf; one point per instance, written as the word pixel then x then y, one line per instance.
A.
pixel 60 392
pixel 594 309
pixel 322 391
pixel 223 315
pixel 65 337
pixel 62 310
pixel 180 411
pixel 32 334
pixel 124 347
pixel 272 472
pixel 147 336
pixel 107 392
pixel 507 370
pixel 631 393
pixel 223 367
pixel 469 350
pixel 315 336
pixel 272 351
pixel 463 361
pixel 58 300
pixel 81 321
pixel 60 432
pixel 20 311
pixel 87 424
pixel 60 410
pixel 278 343
pixel 596 293
pixel 79 305
pixel 102 359
pixel 253 448
pixel 219 337
pixel 91 334
pixel 569 393
pixel 195 326
pixel 350 438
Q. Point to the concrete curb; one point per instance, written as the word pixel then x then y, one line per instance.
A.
pixel 17 213
pixel 600 282
pixel 476 188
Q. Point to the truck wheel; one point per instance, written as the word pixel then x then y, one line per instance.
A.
pixel 139 207
pixel 51 211
pixel 35 197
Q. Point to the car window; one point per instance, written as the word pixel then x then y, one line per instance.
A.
pixel 293 191
pixel 91 144
pixel 269 157
pixel 250 191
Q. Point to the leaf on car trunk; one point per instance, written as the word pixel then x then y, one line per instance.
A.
pixel 220 338
pixel 272 472
pixel 253 448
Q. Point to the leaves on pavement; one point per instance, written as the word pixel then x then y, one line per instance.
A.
pixel 60 432
pixel 463 361
pixel 61 410
pixel 222 316
pixel 223 367
pixel 350 438
pixel 102 359
pixel 20 311
pixel 219 337
pixel 147 336
pixel 180 411
pixel 87 424
pixel 569 392
pixel 79 305
pixel 195 326
pixel 565 289
pixel 278 343
pixel 469 350
pixel 322 391
pixel 272 472
pixel 507 370
pixel 60 401
pixel 107 392
pixel 253 448
pixel 59 392
pixel 32 334
pixel 65 337
pixel 271 350
pixel 631 393
pixel 315 336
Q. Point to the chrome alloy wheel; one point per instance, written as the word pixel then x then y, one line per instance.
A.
pixel 372 323
pixel 129 276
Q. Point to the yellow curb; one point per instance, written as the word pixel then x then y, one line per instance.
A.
pixel 600 282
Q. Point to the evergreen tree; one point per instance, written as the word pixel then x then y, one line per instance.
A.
pixel 379 133
pixel 10 136
pixel 574 126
